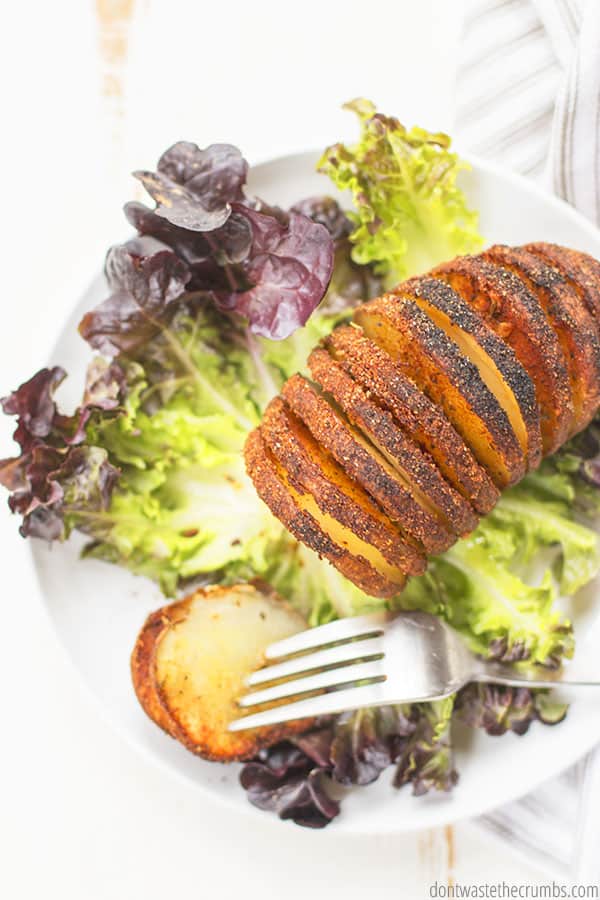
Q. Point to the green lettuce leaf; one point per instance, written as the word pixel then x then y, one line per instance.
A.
pixel 573 474
pixel 409 213
pixel 536 523
pixel 487 586
pixel 284 358
pixel 184 506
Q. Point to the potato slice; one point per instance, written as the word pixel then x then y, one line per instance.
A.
pixel 498 366
pixel 320 533
pixel 190 661
pixel 365 465
pixel 379 427
pixel 581 270
pixel 143 669
pixel 517 317
pixel 573 323
pixel 421 419
pixel 310 469
pixel 449 378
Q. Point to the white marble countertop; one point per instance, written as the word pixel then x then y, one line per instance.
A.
pixel 92 91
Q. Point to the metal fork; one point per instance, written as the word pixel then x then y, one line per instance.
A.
pixel 377 660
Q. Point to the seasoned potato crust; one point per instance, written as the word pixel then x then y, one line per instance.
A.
pixel 420 418
pixel 517 317
pixel 271 487
pixel 573 323
pixel 581 271
pixel 498 366
pixel 312 470
pixel 380 428
pixel 190 660
pixel 450 379
pixel 365 465
pixel 143 663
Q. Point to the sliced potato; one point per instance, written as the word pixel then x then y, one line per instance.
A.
pixel 190 661
pixel 573 323
pixel 498 366
pixel 311 470
pixel 517 317
pixel 365 465
pixel 379 427
pixel 440 369
pixel 322 534
pixel 580 269
pixel 142 664
pixel 420 418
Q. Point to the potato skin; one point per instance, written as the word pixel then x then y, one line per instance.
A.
pixel 302 458
pixel 379 426
pixel 143 661
pixel 441 297
pixel 571 320
pixel 272 489
pixel 450 379
pixel 517 317
pixel 230 747
pixel 580 269
pixel 420 418
pixel 362 465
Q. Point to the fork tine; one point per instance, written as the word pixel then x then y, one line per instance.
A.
pixel 321 680
pixel 340 630
pixel 343 653
pixel 326 704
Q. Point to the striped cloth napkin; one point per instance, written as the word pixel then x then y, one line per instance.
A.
pixel 528 97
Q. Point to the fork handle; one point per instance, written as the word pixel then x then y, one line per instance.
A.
pixel 583 671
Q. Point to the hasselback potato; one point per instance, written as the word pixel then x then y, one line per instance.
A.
pixel 439 395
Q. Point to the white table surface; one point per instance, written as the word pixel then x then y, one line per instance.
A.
pixel 92 91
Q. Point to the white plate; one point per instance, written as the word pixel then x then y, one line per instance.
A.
pixel 97 609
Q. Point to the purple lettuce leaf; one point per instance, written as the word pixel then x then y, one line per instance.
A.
pixel 105 384
pixel 289 268
pixel 54 475
pixel 316 744
pixel 258 261
pixel 145 286
pixel 179 205
pixel 424 757
pixel 33 403
pixel 353 749
pixel 62 485
pixel 271 267
pixel 416 739
pixel 206 256
pixel 365 743
pixel 326 211
pixel 285 780
pixel 498 708
pixel 350 283
pixel 194 188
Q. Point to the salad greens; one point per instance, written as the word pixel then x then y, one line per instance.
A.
pixel 481 586
pixel 216 301
pixel 290 778
pixel 409 213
